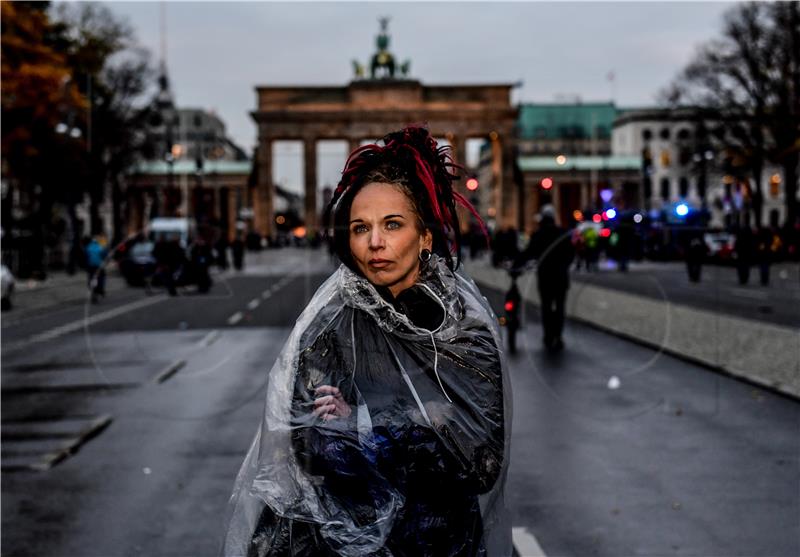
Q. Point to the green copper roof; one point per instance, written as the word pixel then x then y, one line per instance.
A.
pixel 560 121
pixel 549 164
pixel 186 166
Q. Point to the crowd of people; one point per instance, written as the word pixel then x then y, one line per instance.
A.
pixel 557 251
pixel 173 264
pixel 750 248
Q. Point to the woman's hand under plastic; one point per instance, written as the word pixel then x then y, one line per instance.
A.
pixel 329 403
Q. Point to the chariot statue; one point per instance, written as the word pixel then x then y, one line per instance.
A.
pixel 382 64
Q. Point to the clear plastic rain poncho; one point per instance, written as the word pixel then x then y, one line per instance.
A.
pixel 413 463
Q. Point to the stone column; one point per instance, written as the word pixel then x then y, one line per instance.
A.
pixel 263 212
pixel 460 150
pixel 533 207
pixel 134 208
pixel 584 195
pixel 458 143
pixel 233 213
pixel 497 183
pixel 353 143
pixel 310 175
pixel 555 195
pixel 509 209
pixel 592 194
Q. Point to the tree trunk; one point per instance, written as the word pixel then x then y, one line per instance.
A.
pixel 116 211
pixel 757 202
pixel 76 232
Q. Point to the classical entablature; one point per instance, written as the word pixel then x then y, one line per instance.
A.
pixel 368 110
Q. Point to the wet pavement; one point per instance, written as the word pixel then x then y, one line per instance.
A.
pixel 152 409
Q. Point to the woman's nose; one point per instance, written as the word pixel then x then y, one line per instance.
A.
pixel 375 239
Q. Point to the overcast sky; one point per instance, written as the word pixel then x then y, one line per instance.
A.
pixel 218 52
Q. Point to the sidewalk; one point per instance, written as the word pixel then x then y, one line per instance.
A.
pixel 764 353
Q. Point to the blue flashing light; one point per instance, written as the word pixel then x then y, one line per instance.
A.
pixel 682 210
pixel 611 213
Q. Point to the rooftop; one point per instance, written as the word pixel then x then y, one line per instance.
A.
pixel 566 120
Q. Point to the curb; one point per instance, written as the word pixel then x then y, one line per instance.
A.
pixel 779 390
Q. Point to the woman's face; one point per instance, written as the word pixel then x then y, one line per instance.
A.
pixel 385 240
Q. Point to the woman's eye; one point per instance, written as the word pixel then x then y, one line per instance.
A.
pixel 359 228
pixel 392 225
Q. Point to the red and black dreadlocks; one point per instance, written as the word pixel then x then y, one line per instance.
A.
pixel 411 158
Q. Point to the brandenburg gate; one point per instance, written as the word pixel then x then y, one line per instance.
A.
pixel 370 107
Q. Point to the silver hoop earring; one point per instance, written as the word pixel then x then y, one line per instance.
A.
pixel 425 255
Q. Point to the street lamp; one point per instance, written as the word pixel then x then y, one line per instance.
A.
pixel 703 155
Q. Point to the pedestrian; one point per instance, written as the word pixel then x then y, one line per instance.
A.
pixel 221 252
pixel 237 250
pixel 744 250
pixel 201 262
pixel 591 247
pixel 768 245
pixel 695 255
pixel 551 247
pixel 505 246
pixel 386 424
pixel 170 261
pixel 95 268
pixel 624 247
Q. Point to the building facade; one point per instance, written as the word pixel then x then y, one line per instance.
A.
pixel 683 159
pixel 565 158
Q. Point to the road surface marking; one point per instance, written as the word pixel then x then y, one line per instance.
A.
pixel 86 322
pixel 210 338
pixel 235 318
pixel 51 459
pixel 169 371
pixel 253 304
pixel 526 543
pixel 266 294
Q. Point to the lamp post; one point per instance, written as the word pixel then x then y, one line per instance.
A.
pixel 703 155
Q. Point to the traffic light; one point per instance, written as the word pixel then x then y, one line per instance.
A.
pixel 472 184
pixel 547 183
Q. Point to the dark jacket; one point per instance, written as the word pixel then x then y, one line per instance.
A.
pixel 551 246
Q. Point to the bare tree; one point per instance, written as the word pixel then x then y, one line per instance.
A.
pixel 748 85
pixel 115 75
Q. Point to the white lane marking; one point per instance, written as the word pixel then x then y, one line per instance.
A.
pixel 235 318
pixel 86 322
pixel 209 339
pixel 253 304
pixel 526 543
pixel 266 294
pixel 169 371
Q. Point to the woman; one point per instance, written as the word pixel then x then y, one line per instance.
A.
pixel 386 427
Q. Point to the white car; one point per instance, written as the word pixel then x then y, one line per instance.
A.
pixel 7 283
pixel 719 245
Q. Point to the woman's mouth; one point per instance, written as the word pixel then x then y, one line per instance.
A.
pixel 379 263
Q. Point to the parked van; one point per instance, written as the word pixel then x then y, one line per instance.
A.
pixel 170 228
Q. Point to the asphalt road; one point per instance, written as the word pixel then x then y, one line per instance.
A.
pixel 152 408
